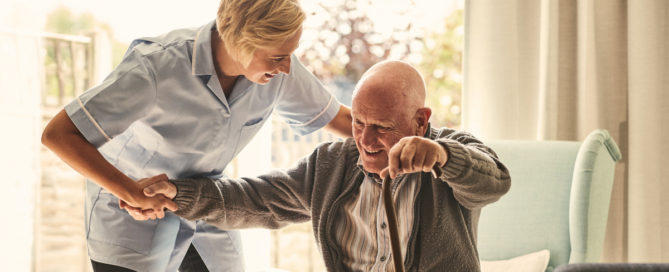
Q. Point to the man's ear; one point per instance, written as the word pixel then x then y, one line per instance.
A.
pixel 422 118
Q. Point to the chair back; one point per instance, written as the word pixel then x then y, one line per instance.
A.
pixel 559 199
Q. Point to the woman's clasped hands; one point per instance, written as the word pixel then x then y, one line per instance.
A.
pixel 155 199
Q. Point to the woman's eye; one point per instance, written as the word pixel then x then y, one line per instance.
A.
pixel 277 60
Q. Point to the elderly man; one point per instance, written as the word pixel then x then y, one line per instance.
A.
pixel 338 186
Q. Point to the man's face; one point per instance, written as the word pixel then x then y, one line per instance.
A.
pixel 378 124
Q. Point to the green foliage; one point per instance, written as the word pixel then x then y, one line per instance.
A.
pixel 442 68
pixel 62 20
pixel 345 53
pixel 348 43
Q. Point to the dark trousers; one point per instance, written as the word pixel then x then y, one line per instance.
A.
pixel 192 262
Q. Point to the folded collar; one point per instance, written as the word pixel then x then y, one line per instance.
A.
pixel 203 60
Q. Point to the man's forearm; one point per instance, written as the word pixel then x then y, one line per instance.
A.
pixel 238 203
pixel 476 176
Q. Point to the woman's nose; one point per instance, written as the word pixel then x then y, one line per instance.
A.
pixel 285 66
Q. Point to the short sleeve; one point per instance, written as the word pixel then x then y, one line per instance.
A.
pixel 125 96
pixel 303 101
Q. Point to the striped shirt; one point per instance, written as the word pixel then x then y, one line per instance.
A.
pixel 362 231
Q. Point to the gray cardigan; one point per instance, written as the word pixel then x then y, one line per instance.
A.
pixel 446 210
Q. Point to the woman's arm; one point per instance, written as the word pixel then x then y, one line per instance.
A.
pixel 67 142
pixel 341 125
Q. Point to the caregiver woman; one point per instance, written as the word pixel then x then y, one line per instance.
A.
pixel 185 104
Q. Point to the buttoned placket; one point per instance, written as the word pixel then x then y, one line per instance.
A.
pixel 381 235
pixel 372 186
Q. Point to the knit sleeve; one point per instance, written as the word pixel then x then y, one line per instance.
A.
pixel 472 170
pixel 272 200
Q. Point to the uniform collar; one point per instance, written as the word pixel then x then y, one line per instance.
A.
pixel 203 60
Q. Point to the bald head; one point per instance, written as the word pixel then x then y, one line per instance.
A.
pixel 395 82
pixel 388 105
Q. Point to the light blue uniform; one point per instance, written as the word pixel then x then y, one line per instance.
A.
pixel 162 110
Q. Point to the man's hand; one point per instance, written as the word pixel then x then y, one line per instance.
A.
pixel 166 188
pixel 151 205
pixel 414 154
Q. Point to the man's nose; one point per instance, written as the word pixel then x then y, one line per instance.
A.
pixel 368 136
pixel 285 66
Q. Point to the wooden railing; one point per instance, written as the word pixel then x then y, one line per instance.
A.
pixel 68 64
pixel 76 69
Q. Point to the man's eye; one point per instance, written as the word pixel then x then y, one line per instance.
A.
pixel 382 129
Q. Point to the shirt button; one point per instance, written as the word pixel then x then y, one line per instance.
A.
pixel 383 226
pixel 383 258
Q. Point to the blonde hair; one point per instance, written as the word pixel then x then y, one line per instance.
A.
pixel 246 25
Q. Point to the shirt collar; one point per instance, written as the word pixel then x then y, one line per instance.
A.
pixel 203 60
pixel 428 131
pixel 378 178
pixel 374 176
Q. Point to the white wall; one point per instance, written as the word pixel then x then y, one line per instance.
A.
pixel 20 124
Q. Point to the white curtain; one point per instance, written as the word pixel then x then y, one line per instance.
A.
pixel 558 69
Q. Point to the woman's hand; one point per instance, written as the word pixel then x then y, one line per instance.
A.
pixel 151 205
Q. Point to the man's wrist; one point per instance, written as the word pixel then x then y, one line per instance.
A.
pixel 443 154
pixel 176 189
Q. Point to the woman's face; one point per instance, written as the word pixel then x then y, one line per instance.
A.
pixel 267 63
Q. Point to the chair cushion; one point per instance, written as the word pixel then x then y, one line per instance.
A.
pixel 533 262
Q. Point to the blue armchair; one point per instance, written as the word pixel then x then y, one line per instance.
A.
pixel 559 200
